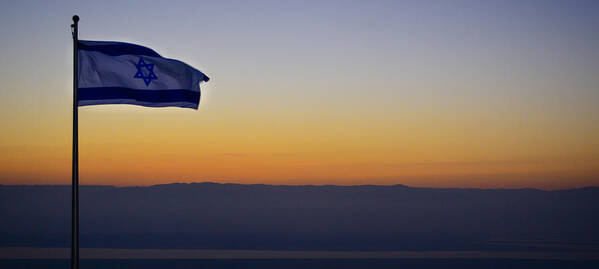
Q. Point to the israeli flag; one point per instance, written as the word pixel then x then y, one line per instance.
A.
pixel 124 73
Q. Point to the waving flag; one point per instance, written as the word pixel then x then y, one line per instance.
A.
pixel 124 73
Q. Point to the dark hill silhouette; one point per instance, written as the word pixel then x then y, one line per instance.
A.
pixel 367 217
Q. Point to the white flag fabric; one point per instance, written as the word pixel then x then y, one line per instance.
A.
pixel 124 73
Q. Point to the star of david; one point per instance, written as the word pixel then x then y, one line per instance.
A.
pixel 146 76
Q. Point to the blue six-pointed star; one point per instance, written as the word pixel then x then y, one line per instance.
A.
pixel 141 64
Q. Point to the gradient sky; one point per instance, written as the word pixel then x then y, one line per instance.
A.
pixel 423 93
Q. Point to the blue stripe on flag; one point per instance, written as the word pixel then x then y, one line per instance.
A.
pixel 146 97
pixel 118 48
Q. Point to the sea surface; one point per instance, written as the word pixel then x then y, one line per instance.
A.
pixel 23 257
pixel 299 263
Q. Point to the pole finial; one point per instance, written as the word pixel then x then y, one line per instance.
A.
pixel 76 18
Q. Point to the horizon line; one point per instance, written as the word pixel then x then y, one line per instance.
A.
pixel 295 185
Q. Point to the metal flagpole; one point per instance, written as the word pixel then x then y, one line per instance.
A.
pixel 75 175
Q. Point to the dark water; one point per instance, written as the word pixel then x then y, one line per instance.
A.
pixel 305 263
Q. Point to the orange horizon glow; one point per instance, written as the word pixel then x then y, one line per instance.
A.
pixel 132 146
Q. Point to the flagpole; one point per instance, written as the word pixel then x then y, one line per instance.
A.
pixel 75 175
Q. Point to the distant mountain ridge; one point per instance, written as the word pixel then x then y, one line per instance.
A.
pixel 305 217
pixel 299 185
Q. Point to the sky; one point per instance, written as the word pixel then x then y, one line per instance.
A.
pixel 483 94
